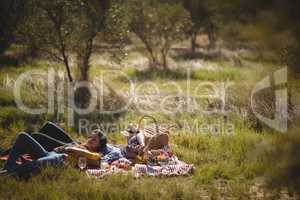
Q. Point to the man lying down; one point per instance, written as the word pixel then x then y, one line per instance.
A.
pixel 51 146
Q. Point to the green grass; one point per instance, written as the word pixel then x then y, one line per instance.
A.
pixel 235 159
pixel 215 158
pixel 150 74
pixel 70 184
pixel 227 73
pixel 6 98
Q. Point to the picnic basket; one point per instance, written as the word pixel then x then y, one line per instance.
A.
pixel 156 137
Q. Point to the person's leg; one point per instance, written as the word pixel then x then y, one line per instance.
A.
pixel 47 142
pixel 4 152
pixel 31 167
pixel 24 143
pixel 52 159
pixel 52 131
pixel 55 132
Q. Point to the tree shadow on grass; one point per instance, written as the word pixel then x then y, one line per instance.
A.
pixel 185 54
pixel 9 61
pixel 154 73
pixel 14 60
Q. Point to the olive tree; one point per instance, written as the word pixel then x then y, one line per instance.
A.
pixel 63 28
pixel 158 26
pixel 68 28
pixel 201 18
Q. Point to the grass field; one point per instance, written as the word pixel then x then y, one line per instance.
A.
pixel 228 166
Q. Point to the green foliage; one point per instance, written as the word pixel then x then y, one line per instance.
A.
pixel 201 17
pixel 199 12
pixel 61 27
pixel 12 12
pixel 158 26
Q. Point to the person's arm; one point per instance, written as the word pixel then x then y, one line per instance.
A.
pixel 81 152
pixel 62 149
pixel 112 156
pixel 141 138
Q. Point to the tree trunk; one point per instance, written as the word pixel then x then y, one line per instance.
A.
pixel 153 61
pixel 164 61
pixel 82 94
pixel 152 55
pixel 66 62
pixel 193 42
pixel 82 67
pixel 212 35
pixel 32 51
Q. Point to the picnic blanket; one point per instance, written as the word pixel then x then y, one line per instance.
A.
pixel 162 164
pixel 145 170
pixel 166 170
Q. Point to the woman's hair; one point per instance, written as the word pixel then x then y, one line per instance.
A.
pixel 102 139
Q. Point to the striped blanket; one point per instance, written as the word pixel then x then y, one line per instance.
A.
pixel 160 163
pixel 139 170
pixel 165 170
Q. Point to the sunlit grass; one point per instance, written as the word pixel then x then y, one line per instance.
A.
pixel 235 158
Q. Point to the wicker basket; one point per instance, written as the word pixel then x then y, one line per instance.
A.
pixel 156 137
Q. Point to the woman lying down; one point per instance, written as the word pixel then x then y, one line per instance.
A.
pixel 51 146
